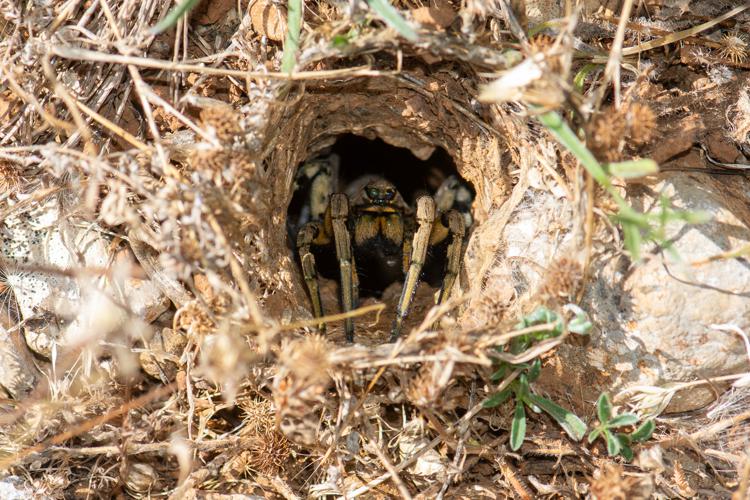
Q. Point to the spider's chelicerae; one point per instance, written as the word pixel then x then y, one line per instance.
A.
pixel 377 236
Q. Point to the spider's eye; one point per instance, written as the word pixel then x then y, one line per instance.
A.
pixel 390 194
pixel 372 193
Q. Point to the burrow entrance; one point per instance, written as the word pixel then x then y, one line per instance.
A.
pixel 354 158
pixel 414 137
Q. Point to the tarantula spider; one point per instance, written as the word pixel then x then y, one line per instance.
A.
pixel 371 227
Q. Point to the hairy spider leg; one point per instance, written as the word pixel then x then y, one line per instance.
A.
pixel 454 222
pixel 306 237
pixel 349 282
pixel 425 217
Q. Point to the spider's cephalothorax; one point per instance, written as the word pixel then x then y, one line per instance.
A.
pixel 372 227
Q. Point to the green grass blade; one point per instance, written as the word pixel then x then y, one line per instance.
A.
pixel 632 169
pixel 497 399
pixel 563 133
pixel 518 427
pixel 393 18
pixel 173 16
pixel 293 29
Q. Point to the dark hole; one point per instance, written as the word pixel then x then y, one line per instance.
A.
pixel 412 177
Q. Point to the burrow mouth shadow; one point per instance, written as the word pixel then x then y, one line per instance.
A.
pixel 368 123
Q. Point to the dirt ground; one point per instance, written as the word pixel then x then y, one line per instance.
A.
pixel 171 352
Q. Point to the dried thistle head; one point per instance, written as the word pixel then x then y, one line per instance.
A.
pixel 609 483
pixel 733 47
pixel 605 133
pixel 563 279
pixel 299 388
pixel 211 162
pixel 269 453
pixel 260 416
pixel 543 44
pixel 10 177
pixel 308 359
pixel 223 121
pixel 642 123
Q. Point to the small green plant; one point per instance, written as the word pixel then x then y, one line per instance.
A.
pixel 551 325
pixel 618 443
pixel 636 226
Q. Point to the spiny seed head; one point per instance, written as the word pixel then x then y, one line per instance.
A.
pixel 734 47
pixel 308 358
pixel 605 133
pixel 10 177
pixel 642 122
pixel 223 120
pixel 563 279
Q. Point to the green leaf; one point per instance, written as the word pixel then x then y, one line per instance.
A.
pixel 623 420
pixel 613 444
pixel 569 421
pixel 595 434
pixel 293 28
pixel 518 427
pixel 522 386
pixel 626 452
pixel 643 432
pixel 580 77
pixel 535 370
pixel 500 373
pixel 603 409
pixel 393 18
pixel 633 169
pixel 497 399
pixel 173 16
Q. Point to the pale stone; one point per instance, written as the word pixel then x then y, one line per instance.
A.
pixel 652 321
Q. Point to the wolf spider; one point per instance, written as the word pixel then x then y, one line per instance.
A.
pixel 371 227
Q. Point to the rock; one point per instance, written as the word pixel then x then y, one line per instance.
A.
pixel 653 321
pixel 439 14
pixel 656 322
pixel 159 359
pixel 50 261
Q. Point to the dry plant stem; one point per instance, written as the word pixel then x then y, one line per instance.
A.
pixel 88 425
pixel 154 97
pixel 114 128
pixel 140 87
pixel 460 450
pixel 160 447
pixel 373 448
pixel 612 70
pixel 70 103
pixel 588 235
pixel 331 318
pixel 53 121
pixel 145 62
pixel 238 274
pixel 413 458
pixel 680 35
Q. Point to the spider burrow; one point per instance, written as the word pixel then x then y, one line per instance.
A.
pixel 371 227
